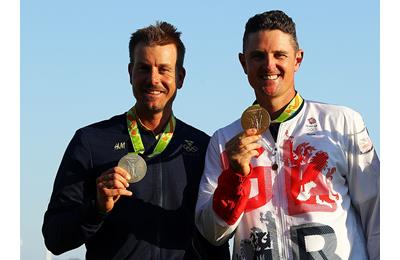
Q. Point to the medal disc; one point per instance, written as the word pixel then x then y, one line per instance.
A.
pixel 134 165
pixel 256 117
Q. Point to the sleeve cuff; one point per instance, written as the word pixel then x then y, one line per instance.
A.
pixel 93 215
pixel 231 196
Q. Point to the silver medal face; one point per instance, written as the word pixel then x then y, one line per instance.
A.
pixel 134 165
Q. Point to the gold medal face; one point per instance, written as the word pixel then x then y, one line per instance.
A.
pixel 256 117
pixel 134 165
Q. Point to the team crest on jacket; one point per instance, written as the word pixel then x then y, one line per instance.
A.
pixel 308 179
pixel 311 125
pixel 311 120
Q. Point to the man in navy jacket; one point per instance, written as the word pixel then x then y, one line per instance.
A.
pixel 93 202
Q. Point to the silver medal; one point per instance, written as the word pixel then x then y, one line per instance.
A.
pixel 134 165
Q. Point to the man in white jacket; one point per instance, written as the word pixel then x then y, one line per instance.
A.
pixel 308 186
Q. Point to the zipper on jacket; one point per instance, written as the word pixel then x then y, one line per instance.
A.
pixel 282 202
pixel 160 203
pixel 156 199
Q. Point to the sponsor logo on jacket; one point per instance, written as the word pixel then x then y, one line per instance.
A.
pixel 119 146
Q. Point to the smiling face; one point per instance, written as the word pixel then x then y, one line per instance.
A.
pixel 270 60
pixel 155 78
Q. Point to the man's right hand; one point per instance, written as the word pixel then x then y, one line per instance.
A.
pixel 241 148
pixel 111 185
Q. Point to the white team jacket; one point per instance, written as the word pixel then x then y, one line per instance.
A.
pixel 321 203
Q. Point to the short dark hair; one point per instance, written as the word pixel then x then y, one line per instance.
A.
pixel 271 20
pixel 162 33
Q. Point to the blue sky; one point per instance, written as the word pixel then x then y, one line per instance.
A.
pixel 73 72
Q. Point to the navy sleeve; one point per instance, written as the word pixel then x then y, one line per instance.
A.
pixel 71 218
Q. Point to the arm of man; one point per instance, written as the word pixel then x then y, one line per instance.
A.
pixel 75 213
pixel 225 186
pixel 363 182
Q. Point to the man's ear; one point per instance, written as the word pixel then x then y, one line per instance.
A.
pixel 299 59
pixel 130 68
pixel 180 77
pixel 242 60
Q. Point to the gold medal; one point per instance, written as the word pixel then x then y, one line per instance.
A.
pixel 134 165
pixel 256 117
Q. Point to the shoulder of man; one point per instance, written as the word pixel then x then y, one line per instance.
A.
pixel 115 122
pixel 341 115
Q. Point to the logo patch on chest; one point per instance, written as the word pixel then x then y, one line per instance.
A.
pixel 119 146
pixel 311 126
pixel 189 146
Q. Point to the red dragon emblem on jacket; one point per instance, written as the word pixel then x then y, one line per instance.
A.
pixel 308 179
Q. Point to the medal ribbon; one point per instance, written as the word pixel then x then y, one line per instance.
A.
pixel 133 130
pixel 290 109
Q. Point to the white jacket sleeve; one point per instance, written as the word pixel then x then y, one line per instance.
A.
pixel 210 225
pixel 363 181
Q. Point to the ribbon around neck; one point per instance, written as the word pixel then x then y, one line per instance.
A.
pixel 290 109
pixel 133 130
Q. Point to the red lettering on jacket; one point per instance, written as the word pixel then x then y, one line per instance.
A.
pixel 262 176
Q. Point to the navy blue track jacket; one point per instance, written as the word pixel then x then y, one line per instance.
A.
pixel 157 222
